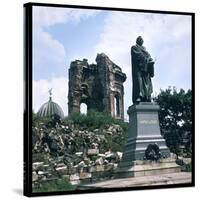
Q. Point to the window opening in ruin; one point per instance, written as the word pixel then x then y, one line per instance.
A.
pixel 117 110
pixel 83 108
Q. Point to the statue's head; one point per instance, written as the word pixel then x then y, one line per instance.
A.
pixel 139 41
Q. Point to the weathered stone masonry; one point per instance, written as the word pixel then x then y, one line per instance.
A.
pixel 99 86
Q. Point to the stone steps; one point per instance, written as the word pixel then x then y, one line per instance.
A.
pixel 146 168
pixel 163 179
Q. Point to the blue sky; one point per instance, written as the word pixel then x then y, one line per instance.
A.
pixel 61 35
pixel 78 40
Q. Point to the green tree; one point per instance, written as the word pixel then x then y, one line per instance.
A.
pixel 176 118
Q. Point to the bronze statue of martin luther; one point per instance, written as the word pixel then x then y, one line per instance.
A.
pixel 142 72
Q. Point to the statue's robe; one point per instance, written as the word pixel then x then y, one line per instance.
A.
pixel 142 71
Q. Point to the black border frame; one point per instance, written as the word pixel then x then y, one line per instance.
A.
pixel 28 36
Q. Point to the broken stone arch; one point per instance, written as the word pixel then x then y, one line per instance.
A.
pixel 99 86
pixel 83 108
pixel 117 104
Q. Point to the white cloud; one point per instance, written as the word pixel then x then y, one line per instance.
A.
pixel 122 29
pixel 164 37
pixel 47 51
pixel 59 88
pixel 48 16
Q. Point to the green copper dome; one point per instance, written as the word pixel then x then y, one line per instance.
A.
pixel 50 108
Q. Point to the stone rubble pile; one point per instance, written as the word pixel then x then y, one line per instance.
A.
pixel 78 156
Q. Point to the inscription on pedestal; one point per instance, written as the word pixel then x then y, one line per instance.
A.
pixel 148 122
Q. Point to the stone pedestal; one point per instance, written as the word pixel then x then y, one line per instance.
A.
pixel 143 130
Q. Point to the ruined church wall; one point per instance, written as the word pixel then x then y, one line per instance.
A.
pixel 99 86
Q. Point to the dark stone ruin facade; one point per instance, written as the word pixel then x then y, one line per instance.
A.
pixel 99 86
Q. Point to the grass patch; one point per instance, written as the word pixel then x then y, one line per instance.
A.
pixel 94 120
pixel 54 186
